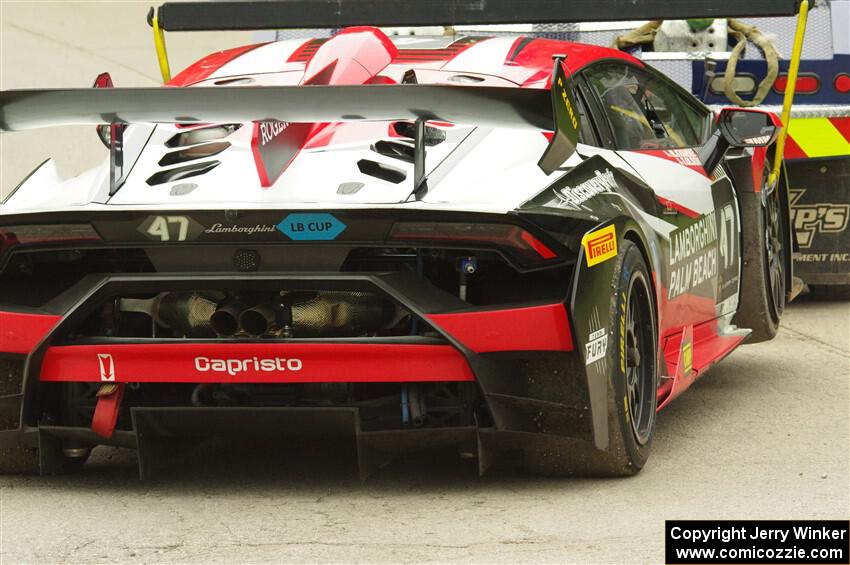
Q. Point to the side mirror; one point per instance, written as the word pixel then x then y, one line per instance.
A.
pixel 737 127
pixel 747 128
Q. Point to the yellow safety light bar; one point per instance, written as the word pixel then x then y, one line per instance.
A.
pixel 793 66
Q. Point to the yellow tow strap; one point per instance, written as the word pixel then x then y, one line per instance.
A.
pixel 789 91
pixel 161 53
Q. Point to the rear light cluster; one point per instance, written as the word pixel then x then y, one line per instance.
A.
pixel 513 239
pixel 12 236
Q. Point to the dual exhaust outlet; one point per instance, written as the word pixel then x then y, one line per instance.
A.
pixel 328 314
pixel 257 321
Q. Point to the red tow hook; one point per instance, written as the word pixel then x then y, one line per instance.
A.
pixel 106 412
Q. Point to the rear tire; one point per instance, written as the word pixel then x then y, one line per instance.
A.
pixel 631 364
pixel 764 257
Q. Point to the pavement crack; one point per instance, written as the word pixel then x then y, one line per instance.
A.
pixel 819 342
pixel 67 45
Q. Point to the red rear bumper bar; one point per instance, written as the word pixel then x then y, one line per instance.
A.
pixel 20 333
pixel 254 363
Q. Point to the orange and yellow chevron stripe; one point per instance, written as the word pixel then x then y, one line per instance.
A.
pixel 810 138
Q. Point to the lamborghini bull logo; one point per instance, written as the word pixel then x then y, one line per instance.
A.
pixel 811 219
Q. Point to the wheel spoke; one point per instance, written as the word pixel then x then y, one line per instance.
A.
pixel 637 413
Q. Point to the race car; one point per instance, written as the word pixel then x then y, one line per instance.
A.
pixel 508 246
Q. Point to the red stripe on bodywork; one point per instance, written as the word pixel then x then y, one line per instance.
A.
pixel 208 65
pixel 319 362
pixel 20 333
pixel 667 203
pixel 536 328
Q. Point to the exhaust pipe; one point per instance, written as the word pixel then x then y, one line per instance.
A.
pixel 335 312
pixel 327 315
pixel 186 312
pixel 225 320
pixel 260 320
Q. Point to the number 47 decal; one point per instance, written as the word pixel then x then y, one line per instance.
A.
pixel 168 228
pixel 728 235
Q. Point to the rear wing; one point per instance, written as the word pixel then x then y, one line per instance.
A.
pixel 505 107
pixel 496 107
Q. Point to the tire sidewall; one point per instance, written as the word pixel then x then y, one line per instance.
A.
pixel 621 434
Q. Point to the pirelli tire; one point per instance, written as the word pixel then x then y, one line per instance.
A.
pixel 764 261
pixel 632 377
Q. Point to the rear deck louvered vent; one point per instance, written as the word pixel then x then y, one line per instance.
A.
pixel 395 150
pixel 202 135
pixel 184 172
pixel 381 171
pixel 194 152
